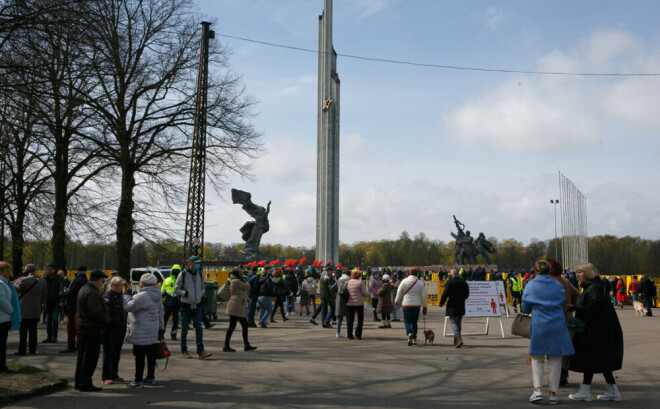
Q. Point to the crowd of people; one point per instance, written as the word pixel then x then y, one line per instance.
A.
pixel 571 330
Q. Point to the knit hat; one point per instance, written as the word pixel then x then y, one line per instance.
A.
pixel 148 279
pixel 386 277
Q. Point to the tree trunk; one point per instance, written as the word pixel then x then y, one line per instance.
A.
pixel 60 181
pixel 17 243
pixel 125 223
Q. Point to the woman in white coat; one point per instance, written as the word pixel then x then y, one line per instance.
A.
pixel 145 320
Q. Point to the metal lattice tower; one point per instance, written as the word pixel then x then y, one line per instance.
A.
pixel 194 236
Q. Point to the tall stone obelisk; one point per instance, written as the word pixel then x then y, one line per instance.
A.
pixel 327 183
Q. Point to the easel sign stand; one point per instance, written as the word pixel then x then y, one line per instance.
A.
pixel 482 303
pixel 501 294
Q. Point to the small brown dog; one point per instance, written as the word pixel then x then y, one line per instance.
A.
pixel 429 336
pixel 640 310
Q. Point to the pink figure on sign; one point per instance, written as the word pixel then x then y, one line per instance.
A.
pixel 493 305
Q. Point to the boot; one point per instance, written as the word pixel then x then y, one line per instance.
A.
pixel 612 393
pixel 227 348
pixel 249 347
pixel 583 394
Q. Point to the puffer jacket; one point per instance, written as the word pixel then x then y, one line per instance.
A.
pixel 193 284
pixel 145 316
pixel 117 315
pixel 309 285
pixel 237 304
pixel 356 292
pixel 374 286
pixel 411 293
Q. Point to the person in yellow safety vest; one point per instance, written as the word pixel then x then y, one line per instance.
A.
pixel 364 275
pixel 171 302
pixel 516 290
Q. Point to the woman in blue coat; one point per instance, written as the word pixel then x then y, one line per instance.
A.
pixel 543 297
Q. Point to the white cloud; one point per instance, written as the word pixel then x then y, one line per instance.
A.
pixel 287 163
pixel 493 16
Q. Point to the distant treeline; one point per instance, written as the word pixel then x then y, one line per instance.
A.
pixel 610 254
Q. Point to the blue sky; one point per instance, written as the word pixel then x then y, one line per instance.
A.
pixel 419 144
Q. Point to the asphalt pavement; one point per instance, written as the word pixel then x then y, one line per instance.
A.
pixel 299 365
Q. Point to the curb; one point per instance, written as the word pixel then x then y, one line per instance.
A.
pixel 40 390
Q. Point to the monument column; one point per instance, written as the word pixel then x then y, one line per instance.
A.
pixel 327 183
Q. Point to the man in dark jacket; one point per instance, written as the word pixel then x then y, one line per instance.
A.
pixel 253 295
pixel 456 292
pixel 291 283
pixel 71 299
pixel 54 286
pixel 647 290
pixel 91 319
pixel 32 293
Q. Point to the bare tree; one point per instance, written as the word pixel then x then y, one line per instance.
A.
pixel 145 62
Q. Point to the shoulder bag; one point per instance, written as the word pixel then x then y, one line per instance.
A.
pixel 521 324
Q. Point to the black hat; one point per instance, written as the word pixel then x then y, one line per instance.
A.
pixel 81 268
pixel 52 265
pixel 97 274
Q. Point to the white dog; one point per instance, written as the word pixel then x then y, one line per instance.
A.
pixel 640 310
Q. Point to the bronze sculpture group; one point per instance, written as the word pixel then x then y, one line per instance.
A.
pixel 466 248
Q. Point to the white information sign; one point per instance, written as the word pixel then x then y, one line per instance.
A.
pixel 483 300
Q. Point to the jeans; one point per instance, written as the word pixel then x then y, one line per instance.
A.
pixel 327 309
pixel 113 339
pixel 28 327
pixel 410 317
pixel 352 309
pixel 265 306
pixel 290 304
pixel 144 351
pixel 634 297
pixel 252 309
pixel 89 348
pixel 52 320
pixel 194 314
pixel 648 303
pixel 456 325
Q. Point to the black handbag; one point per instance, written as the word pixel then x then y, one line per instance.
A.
pixel 521 324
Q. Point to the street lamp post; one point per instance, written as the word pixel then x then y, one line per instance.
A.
pixel 555 203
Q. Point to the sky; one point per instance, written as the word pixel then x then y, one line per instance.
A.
pixel 422 143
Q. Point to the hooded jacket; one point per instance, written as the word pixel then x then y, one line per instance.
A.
pixel 145 316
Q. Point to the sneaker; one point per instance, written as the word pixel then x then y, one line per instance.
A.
pixel 340 336
pixel 553 399
pixel 227 348
pixel 537 396
pixel 185 355
pixel 313 321
pixel 204 354
pixel 410 340
pixel 211 325
pixel 382 326
pixel 149 381
pixel 47 341
pixel 350 336
pixel 107 382
pixel 249 347
pixel 414 341
pixel 285 319
pixel 135 384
